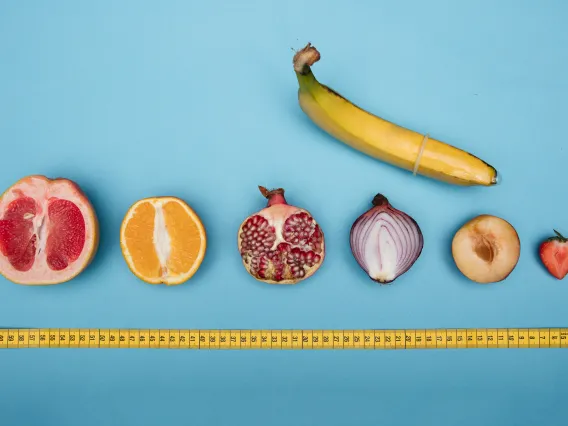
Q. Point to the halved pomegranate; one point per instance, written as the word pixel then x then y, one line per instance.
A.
pixel 281 244
pixel 48 231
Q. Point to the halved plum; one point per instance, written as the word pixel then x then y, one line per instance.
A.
pixel 486 249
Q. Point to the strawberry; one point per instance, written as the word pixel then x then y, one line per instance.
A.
pixel 554 255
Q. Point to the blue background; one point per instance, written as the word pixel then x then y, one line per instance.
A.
pixel 198 99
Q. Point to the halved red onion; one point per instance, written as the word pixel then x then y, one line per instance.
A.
pixel 385 241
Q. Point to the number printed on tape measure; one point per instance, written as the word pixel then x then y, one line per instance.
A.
pixel 491 338
pixel 564 337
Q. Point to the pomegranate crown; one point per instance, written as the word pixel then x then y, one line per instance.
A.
pixel 274 196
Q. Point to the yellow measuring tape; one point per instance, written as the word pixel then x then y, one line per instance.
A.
pixel 445 338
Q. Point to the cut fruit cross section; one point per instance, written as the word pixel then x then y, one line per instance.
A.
pixel 48 231
pixel 163 240
pixel 486 249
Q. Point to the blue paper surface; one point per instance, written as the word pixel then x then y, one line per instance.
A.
pixel 199 100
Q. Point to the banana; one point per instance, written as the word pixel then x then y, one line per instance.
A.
pixel 382 139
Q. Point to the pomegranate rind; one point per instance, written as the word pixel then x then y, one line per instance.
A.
pixel 40 273
pixel 168 280
pixel 271 213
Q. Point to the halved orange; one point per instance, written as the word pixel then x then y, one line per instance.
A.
pixel 163 240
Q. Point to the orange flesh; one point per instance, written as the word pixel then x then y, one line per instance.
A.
pixel 163 240
pixel 185 238
pixel 139 236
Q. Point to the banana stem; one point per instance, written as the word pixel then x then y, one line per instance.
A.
pixel 305 58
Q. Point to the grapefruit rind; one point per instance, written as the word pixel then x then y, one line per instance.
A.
pixel 78 197
pixel 167 280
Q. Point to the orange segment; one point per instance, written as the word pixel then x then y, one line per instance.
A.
pixel 185 238
pixel 163 240
pixel 138 239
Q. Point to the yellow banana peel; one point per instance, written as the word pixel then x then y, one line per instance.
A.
pixel 382 139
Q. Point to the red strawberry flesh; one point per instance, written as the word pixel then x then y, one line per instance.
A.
pixel 554 255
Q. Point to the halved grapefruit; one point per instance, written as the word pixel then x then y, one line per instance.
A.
pixel 49 231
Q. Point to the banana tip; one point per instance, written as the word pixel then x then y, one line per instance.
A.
pixel 496 179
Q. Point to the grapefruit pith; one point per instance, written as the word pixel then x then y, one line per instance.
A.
pixel 49 231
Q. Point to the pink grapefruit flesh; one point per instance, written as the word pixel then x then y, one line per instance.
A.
pixel 48 231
